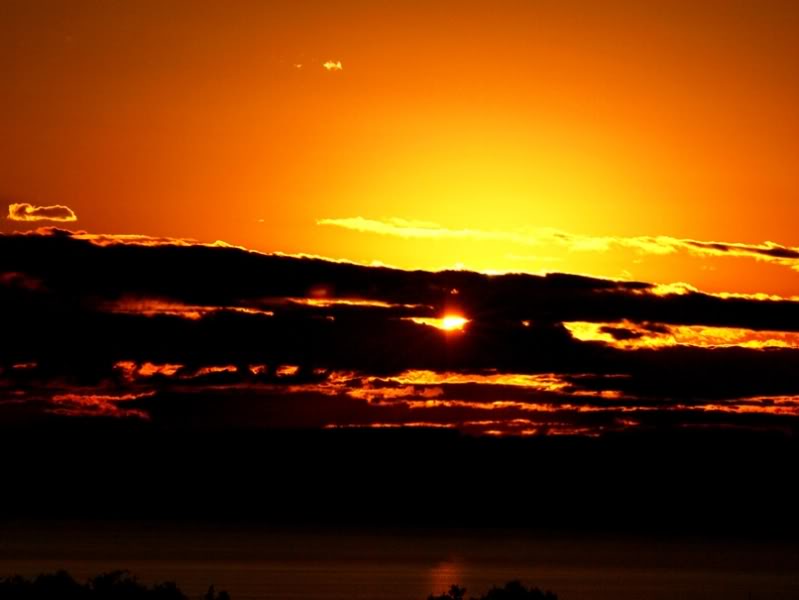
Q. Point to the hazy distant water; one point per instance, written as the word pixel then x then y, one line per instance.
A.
pixel 261 564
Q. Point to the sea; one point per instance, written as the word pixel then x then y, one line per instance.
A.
pixel 254 562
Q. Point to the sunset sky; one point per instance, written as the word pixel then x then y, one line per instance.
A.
pixel 535 216
pixel 347 299
pixel 528 136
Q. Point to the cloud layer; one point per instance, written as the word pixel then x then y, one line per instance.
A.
pixel 658 245
pixel 197 335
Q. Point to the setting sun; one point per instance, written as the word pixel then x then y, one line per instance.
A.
pixel 453 323
pixel 446 323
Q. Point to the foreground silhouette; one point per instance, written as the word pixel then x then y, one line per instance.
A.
pixel 513 590
pixel 121 585
pixel 117 585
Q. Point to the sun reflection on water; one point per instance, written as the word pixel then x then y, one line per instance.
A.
pixel 444 575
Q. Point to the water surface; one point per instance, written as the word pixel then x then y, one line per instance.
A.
pixel 256 563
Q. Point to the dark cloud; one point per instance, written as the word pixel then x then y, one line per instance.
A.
pixel 208 275
pixel 621 333
pixel 217 334
pixel 767 251
pixel 28 212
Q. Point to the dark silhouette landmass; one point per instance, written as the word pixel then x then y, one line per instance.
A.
pixel 512 590
pixel 116 585
pixel 121 585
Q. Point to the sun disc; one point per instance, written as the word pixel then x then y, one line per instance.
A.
pixel 453 323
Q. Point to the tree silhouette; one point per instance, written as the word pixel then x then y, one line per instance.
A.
pixel 212 595
pixel 116 585
pixel 121 585
pixel 513 590
pixel 454 593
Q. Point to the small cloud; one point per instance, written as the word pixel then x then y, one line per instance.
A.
pixel 27 212
pixel 333 65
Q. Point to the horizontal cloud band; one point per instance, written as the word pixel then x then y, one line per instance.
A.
pixel 767 251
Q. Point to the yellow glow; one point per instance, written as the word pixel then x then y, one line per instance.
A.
pixel 682 335
pixel 446 323
pixel 453 322
pixel 459 148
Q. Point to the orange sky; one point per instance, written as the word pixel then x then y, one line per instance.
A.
pixel 494 123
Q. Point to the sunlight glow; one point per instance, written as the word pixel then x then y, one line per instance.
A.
pixel 453 323
pixel 446 323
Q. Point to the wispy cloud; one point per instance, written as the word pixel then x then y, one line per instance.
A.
pixel 658 245
pixel 28 212
pixel 426 230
